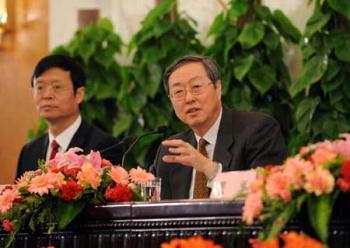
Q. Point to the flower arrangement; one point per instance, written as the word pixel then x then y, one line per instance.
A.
pixel 52 196
pixel 195 241
pixel 313 178
pixel 290 240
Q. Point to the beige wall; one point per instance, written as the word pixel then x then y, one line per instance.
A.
pixel 19 53
pixel 30 43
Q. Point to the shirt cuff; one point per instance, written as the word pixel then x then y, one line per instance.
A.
pixel 210 183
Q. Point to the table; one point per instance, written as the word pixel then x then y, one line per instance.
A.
pixel 141 225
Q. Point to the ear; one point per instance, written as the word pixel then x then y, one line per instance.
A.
pixel 79 94
pixel 218 88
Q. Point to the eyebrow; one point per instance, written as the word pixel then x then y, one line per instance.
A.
pixel 190 81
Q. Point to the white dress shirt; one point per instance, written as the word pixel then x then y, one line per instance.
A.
pixel 64 138
pixel 210 137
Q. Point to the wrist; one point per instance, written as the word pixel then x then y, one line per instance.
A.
pixel 212 170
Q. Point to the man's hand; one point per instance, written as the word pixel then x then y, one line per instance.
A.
pixel 186 154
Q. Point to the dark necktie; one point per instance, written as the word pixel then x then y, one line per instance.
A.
pixel 54 149
pixel 200 183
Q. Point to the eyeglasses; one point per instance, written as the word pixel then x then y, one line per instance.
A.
pixel 56 88
pixel 178 93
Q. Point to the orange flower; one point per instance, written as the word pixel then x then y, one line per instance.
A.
pixel 295 240
pixel 89 176
pixel 272 243
pixel 140 176
pixel 196 241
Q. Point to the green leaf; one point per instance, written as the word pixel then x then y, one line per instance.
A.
pixel 237 9
pixel 152 54
pixel 341 43
pixel 158 12
pixel 217 24
pixel 105 23
pixel 320 210
pixel 68 211
pixel 86 49
pixel 155 73
pixel 263 12
pixel 312 72
pixel 251 34
pixel 341 6
pixel 285 27
pixel 161 27
pixel 262 78
pixel 123 123
pixel 332 70
pixel 316 22
pixel 305 112
pixel 329 86
pixel 281 219
pixel 242 65
pixel 137 101
pixel 271 40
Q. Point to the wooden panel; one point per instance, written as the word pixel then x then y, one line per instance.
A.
pixel 19 54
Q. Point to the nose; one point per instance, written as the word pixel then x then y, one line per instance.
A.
pixel 188 96
pixel 47 92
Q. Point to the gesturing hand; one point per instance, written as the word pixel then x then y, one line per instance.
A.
pixel 185 154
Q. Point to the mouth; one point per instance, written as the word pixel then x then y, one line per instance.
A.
pixel 192 110
pixel 47 107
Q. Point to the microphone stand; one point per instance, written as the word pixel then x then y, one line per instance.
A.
pixel 160 130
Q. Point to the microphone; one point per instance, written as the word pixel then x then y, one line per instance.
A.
pixel 126 141
pixel 159 130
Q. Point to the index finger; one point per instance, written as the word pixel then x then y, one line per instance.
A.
pixel 174 142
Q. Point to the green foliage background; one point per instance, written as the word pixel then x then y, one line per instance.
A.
pixel 128 100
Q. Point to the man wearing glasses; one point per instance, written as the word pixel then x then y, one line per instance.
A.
pixel 219 139
pixel 58 90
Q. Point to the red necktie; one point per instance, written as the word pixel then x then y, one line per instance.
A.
pixel 200 189
pixel 54 149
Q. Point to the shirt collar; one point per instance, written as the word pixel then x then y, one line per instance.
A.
pixel 212 133
pixel 65 137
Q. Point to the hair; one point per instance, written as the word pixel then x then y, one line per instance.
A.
pixel 210 67
pixel 65 63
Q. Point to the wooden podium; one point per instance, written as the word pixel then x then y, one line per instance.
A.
pixel 147 225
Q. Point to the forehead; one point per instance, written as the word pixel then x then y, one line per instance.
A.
pixel 52 75
pixel 188 73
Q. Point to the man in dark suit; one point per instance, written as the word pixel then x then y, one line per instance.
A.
pixel 220 139
pixel 58 90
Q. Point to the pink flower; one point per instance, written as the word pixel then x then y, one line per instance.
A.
pixel 106 163
pixel 304 150
pixel 252 207
pixel 277 185
pixel 319 181
pixel 7 199
pixel 23 181
pixel 95 159
pixel 41 184
pixel 140 176
pixel 119 175
pixel 69 158
pixel 343 146
pixel 322 155
pixel 4 187
pixel 295 169
pixel 89 176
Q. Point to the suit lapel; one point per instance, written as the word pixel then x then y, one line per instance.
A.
pixel 45 146
pixel 79 137
pixel 224 140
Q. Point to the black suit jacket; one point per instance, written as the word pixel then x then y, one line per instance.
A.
pixel 245 140
pixel 87 137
